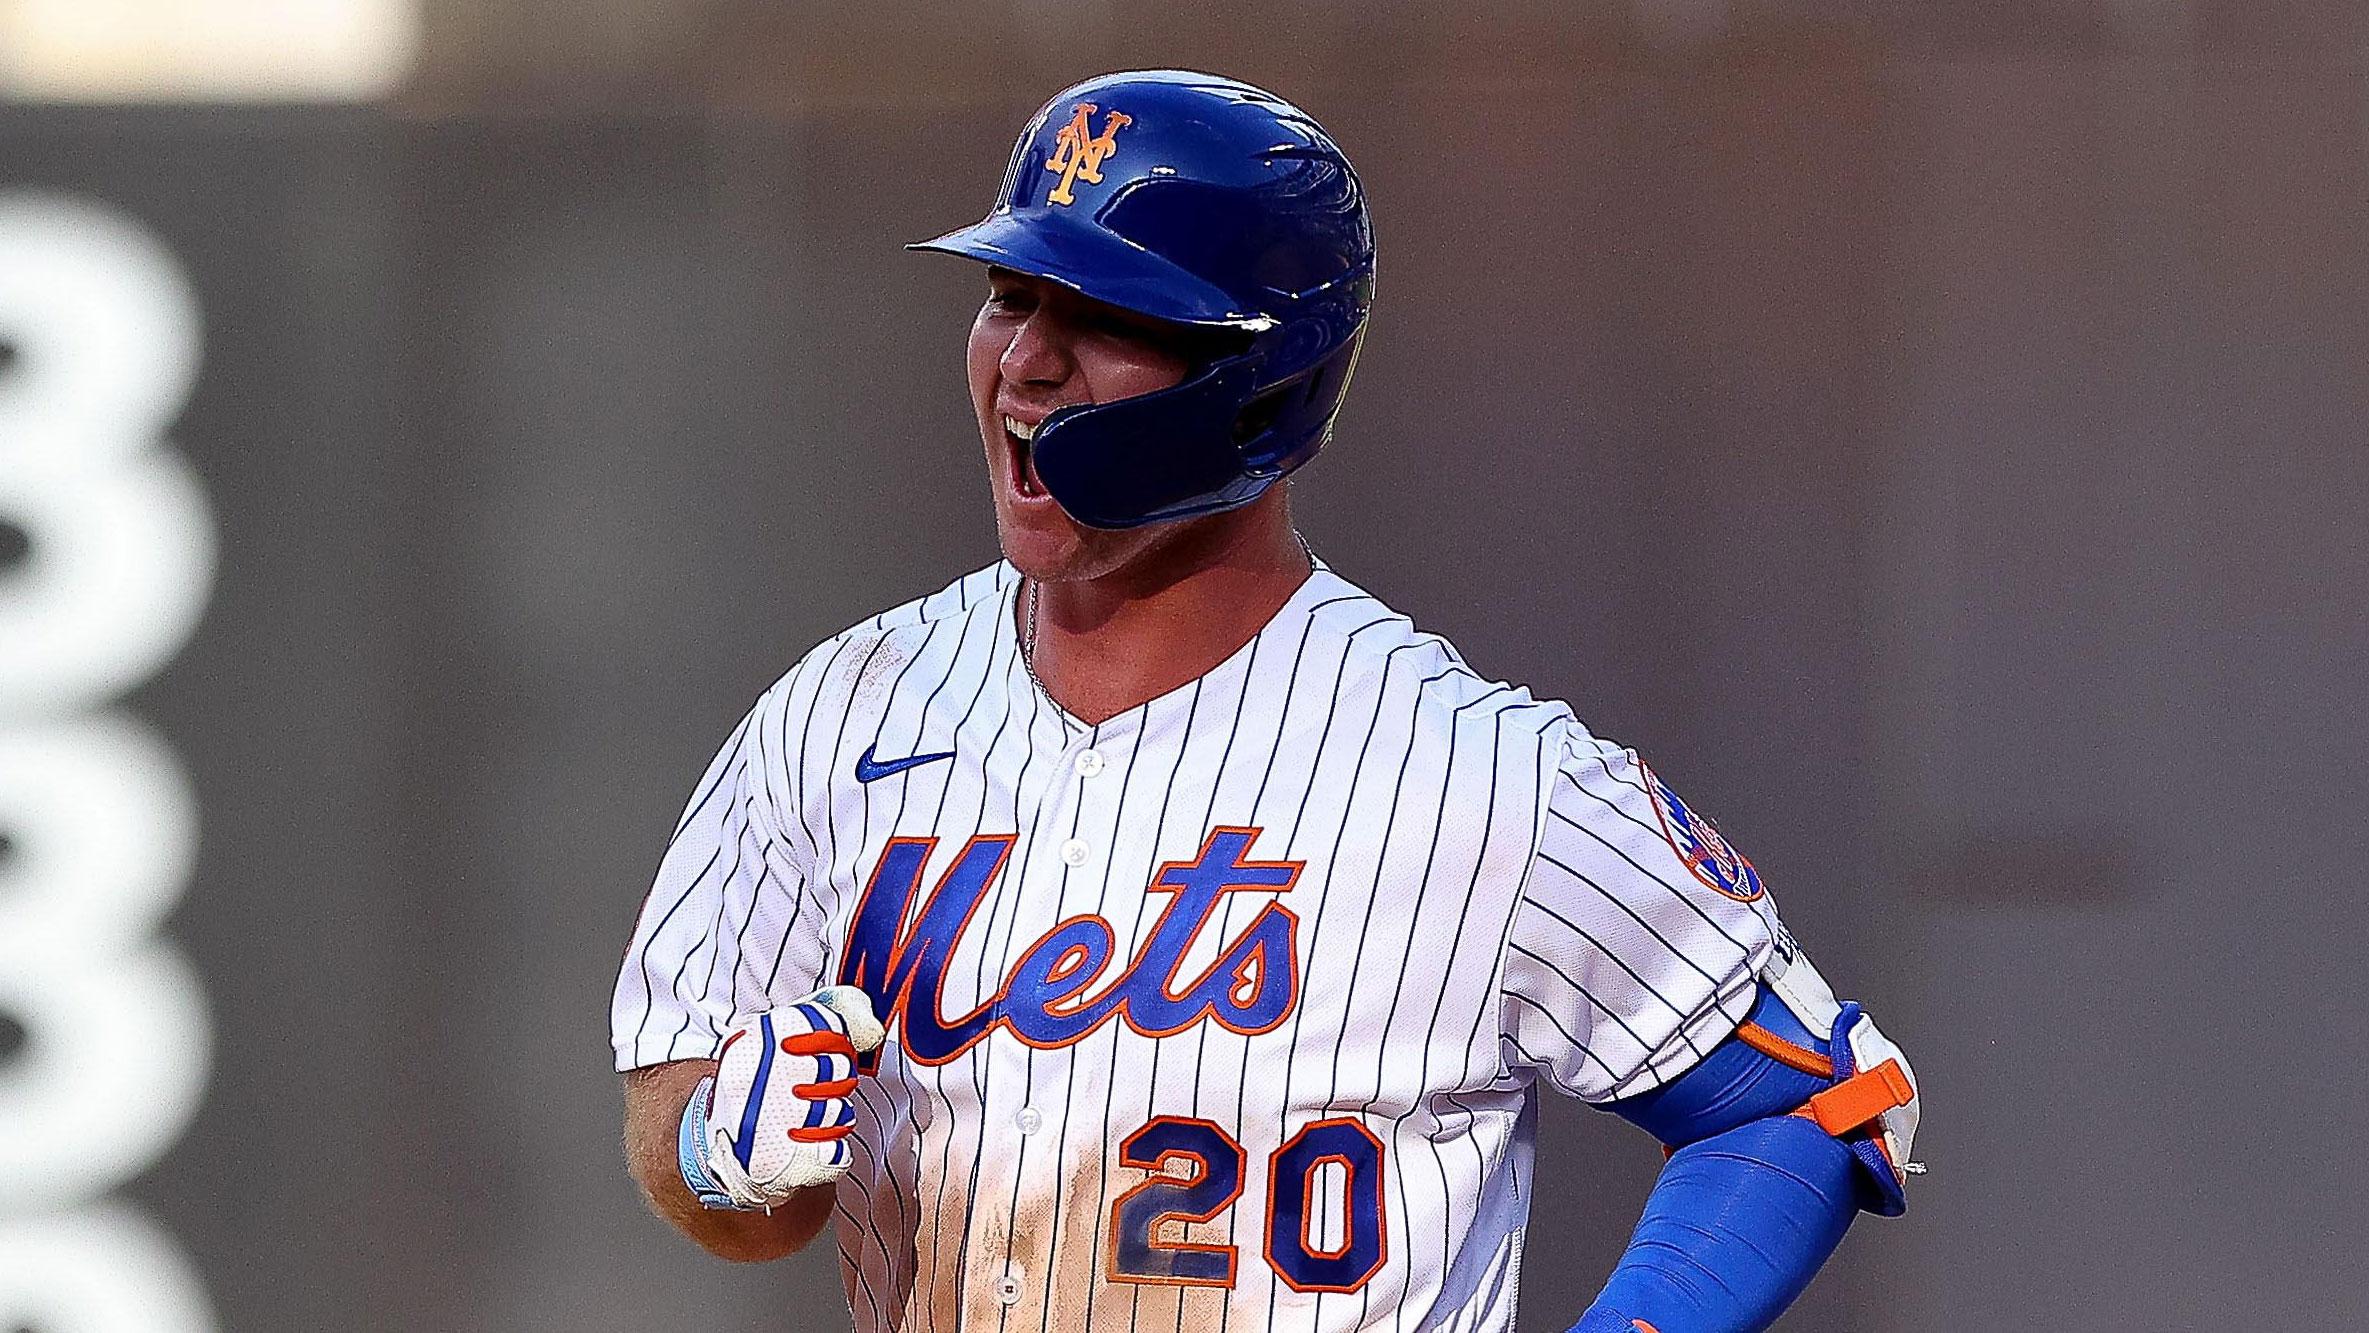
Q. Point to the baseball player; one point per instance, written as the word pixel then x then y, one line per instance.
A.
pixel 1153 930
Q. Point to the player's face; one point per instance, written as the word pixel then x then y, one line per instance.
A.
pixel 1037 346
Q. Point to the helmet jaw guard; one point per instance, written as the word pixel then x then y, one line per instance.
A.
pixel 1135 461
pixel 1199 201
pixel 1213 443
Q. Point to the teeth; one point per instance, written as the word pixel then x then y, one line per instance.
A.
pixel 1020 429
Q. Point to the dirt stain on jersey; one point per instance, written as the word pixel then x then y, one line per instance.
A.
pixel 874 669
pixel 987 1266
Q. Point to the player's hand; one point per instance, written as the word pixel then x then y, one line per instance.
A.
pixel 1600 1320
pixel 775 1117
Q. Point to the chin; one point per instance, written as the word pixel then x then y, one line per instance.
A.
pixel 1057 549
pixel 1041 551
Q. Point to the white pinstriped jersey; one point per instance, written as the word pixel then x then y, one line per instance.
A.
pixel 1226 1013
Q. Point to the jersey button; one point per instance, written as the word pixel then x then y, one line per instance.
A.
pixel 1073 852
pixel 1007 1289
pixel 1029 1120
pixel 1089 763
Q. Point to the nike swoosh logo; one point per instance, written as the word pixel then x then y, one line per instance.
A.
pixel 866 770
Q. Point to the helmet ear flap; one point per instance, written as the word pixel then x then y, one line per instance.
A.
pixel 1257 416
pixel 1154 457
pixel 1283 425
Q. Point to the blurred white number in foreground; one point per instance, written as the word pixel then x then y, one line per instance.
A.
pixel 109 557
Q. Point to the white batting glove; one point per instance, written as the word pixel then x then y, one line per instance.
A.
pixel 775 1117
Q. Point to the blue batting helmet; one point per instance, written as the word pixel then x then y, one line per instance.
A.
pixel 1205 202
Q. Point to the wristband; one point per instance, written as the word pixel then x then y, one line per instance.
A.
pixel 691 1152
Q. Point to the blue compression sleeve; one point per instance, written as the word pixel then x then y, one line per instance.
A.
pixel 1734 1229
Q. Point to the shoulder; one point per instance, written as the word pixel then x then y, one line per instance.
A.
pixel 971 595
pixel 836 669
pixel 1592 793
pixel 1385 656
pixel 1606 797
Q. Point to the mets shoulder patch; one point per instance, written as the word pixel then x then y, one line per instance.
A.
pixel 1699 844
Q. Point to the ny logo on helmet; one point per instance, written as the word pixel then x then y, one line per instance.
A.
pixel 1078 151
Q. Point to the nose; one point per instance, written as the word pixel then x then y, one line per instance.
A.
pixel 1039 352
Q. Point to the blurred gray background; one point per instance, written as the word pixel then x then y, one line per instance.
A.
pixel 1932 431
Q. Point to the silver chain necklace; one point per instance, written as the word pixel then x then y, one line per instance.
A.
pixel 1028 630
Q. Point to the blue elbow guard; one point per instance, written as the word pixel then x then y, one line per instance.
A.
pixel 1780 1137
pixel 1852 1082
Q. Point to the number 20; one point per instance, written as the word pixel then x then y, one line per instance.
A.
pixel 1213 1164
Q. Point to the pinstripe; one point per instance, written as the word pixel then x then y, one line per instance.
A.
pixel 938 1076
pixel 1455 951
pixel 725 766
pixel 1029 753
pixel 757 893
pixel 1613 900
pixel 1374 895
pixel 1426 880
pixel 838 745
pixel 1299 818
pixel 802 773
pixel 1159 822
pixel 707 985
pixel 1489 987
pixel 1225 909
pixel 865 1091
pixel 1258 802
pixel 863 838
pixel 1430 860
pixel 1598 946
pixel 1584 993
pixel 721 774
pixel 643 965
pixel 1012 1209
pixel 1316 931
pixel 675 986
pixel 1102 908
pixel 1557 1024
pixel 1511 917
pixel 1013 890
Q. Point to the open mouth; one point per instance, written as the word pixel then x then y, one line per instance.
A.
pixel 1017 435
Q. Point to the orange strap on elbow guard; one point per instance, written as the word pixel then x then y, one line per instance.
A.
pixel 1848 1104
pixel 1860 1098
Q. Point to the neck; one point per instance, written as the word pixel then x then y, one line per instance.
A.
pixel 1109 644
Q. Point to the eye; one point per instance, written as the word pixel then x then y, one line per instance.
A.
pixel 1112 324
pixel 1134 332
pixel 1010 300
